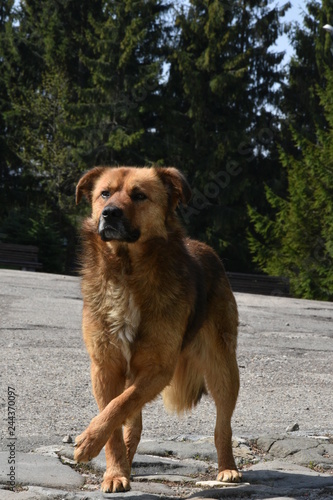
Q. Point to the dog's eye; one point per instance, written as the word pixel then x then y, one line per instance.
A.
pixel 105 194
pixel 138 196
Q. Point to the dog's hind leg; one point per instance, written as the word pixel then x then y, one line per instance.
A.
pixel 132 435
pixel 222 377
pixel 106 386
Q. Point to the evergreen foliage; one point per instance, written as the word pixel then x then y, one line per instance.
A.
pixel 218 124
pixel 297 242
pixel 196 85
pixel 114 116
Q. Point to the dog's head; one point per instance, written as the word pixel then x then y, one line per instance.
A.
pixel 130 203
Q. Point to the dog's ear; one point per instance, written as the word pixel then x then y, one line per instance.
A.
pixel 86 183
pixel 176 185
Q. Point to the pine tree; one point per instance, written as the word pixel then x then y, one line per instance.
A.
pixel 217 124
pixel 7 158
pixel 46 152
pixel 297 241
pixel 117 109
pixel 42 57
pixel 83 88
pixel 47 74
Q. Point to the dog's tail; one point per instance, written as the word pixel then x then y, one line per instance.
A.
pixel 185 389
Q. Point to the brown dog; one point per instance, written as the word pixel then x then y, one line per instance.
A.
pixel 158 315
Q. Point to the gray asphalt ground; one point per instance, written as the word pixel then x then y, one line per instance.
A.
pixel 285 356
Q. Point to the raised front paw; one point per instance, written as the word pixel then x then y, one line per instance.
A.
pixel 229 476
pixel 114 484
pixel 89 443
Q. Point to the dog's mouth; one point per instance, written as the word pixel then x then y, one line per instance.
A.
pixel 119 230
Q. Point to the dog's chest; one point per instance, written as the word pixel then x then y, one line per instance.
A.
pixel 123 317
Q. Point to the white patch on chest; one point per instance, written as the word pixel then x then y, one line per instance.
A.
pixel 123 318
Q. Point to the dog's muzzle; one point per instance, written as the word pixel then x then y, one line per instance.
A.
pixel 113 225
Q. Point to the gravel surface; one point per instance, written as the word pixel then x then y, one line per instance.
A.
pixel 285 356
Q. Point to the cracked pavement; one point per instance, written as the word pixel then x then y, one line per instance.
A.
pixel 285 356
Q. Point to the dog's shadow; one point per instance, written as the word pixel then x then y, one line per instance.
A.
pixel 261 484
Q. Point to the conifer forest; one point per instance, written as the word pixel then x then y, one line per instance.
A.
pixel 199 85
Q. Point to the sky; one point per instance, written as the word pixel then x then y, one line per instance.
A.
pixel 293 14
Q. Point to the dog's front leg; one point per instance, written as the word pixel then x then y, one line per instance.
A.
pixel 150 375
pixel 108 382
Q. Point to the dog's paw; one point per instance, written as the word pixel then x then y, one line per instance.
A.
pixel 229 476
pixel 113 484
pixel 88 444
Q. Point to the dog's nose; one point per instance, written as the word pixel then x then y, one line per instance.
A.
pixel 112 213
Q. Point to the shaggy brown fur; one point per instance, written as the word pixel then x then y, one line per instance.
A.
pixel 159 316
